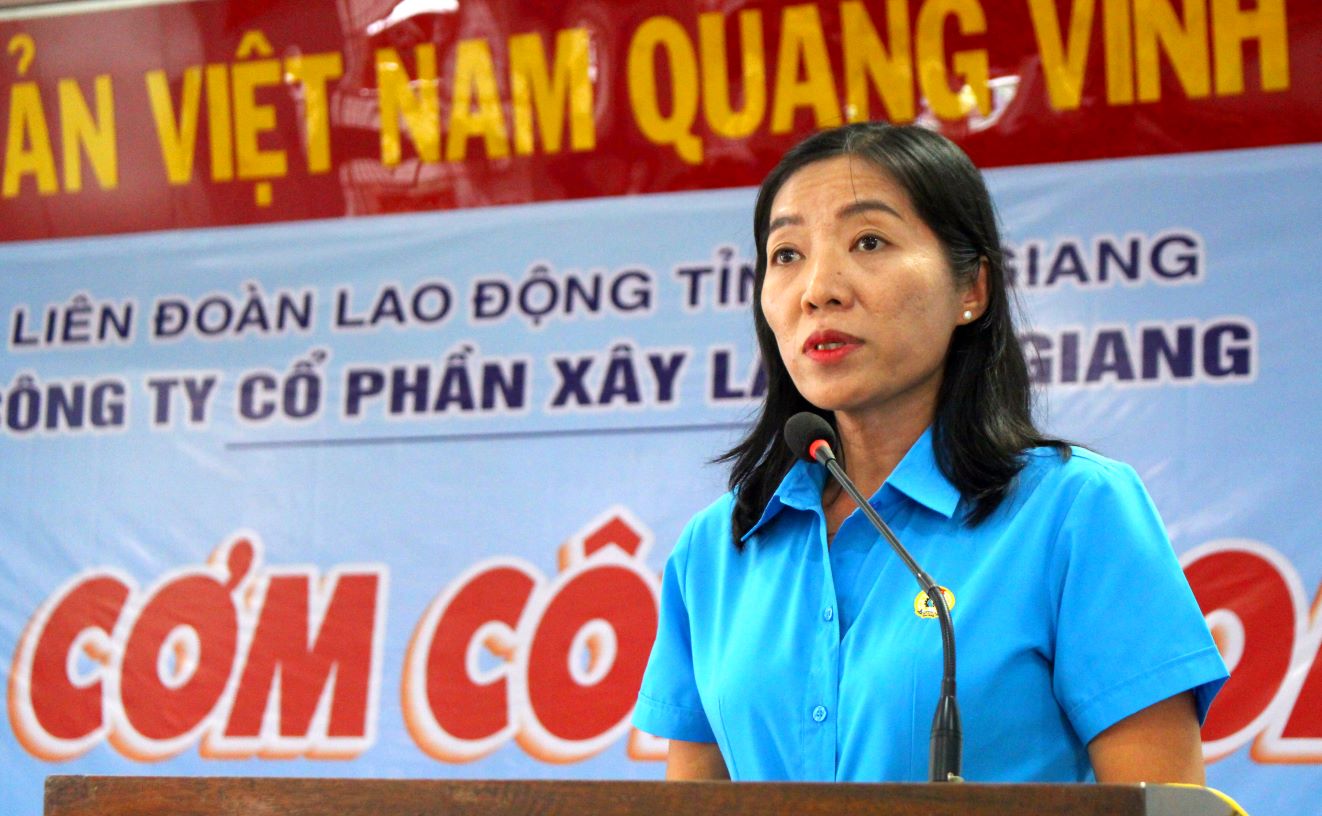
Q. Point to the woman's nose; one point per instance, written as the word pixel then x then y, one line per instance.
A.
pixel 826 285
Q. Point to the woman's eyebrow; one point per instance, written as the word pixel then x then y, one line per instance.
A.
pixel 847 211
pixel 783 221
pixel 866 205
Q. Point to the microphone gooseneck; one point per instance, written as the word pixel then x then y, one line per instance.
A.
pixel 810 437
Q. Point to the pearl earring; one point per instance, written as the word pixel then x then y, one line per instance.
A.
pixel 968 314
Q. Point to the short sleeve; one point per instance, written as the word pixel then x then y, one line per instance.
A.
pixel 1129 632
pixel 668 703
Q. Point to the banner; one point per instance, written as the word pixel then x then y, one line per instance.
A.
pixel 228 112
pixel 311 495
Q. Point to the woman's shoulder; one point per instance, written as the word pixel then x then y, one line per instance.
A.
pixel 1087 504
pixel 1075 469
pixel 714 512
pixel 710 525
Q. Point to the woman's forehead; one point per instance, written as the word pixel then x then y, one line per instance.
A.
pixel 837 183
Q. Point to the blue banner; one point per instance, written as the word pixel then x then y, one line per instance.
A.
pixel 389 497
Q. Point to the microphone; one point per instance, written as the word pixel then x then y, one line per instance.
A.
pixel 811 438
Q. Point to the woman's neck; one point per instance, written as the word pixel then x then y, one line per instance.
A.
pixel 875 442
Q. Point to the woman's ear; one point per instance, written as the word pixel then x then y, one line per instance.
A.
pixel 974 300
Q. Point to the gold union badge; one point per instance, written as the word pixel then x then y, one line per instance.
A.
pixel 923 606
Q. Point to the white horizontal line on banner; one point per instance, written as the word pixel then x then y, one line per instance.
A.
pixel 28 9
pixel 479 437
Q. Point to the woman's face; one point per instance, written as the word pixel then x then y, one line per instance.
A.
pixel 858 291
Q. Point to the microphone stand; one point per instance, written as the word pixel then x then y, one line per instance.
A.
pixel 946 747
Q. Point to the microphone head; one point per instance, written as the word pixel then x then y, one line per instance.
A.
pixel 803 430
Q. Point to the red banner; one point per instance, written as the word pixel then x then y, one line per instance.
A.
pixel 238 112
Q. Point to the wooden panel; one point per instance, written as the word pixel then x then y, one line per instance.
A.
pixel 210 796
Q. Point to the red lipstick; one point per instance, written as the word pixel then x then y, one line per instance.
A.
pixel 829 346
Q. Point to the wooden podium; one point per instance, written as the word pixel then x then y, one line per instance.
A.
pixel 259 796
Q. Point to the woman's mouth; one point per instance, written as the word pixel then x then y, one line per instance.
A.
pixel 829 346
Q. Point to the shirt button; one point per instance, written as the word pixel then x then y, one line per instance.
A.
pixel 819 713
pixel 828 614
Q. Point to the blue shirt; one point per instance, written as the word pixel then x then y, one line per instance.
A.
pixel 804 662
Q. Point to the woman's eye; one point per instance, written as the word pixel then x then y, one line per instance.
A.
pixel 870 243
pixel 784 255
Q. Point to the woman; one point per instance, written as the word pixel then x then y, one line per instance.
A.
pixel 792 643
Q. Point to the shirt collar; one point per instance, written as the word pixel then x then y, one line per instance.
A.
pixel 917 476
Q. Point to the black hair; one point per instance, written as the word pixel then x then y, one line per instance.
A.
pixel 984 418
